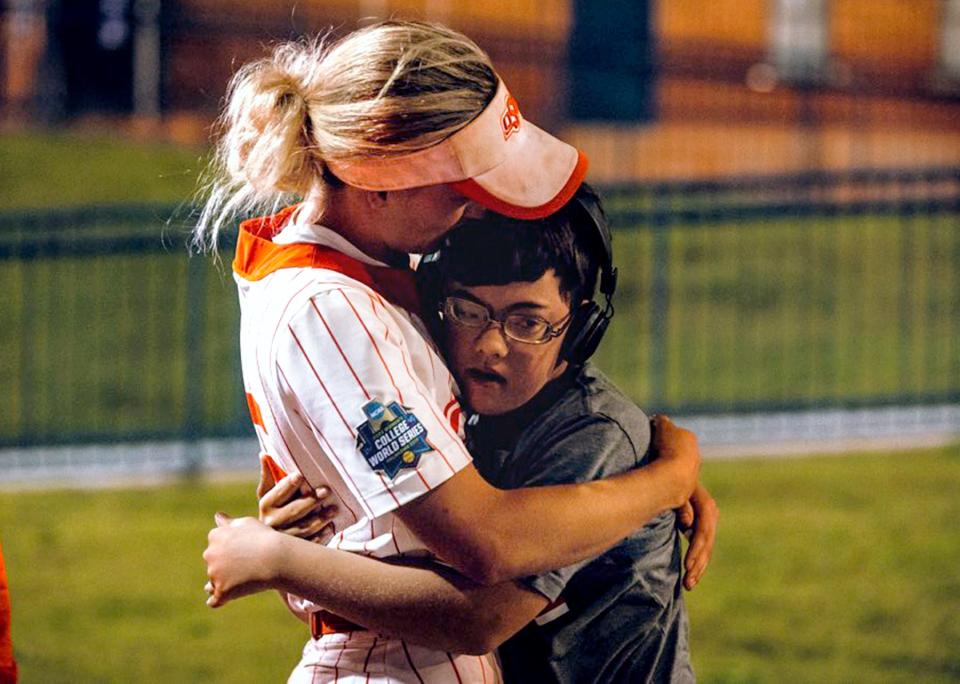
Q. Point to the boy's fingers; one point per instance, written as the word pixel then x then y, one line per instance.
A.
pixel 282 492
pixel 291 514
pixel 312 522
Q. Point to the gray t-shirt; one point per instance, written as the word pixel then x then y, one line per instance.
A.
pixel 621 616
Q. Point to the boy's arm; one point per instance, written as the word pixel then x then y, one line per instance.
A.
pixel 427 605
pixel 492 535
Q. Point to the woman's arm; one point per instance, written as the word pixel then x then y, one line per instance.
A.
pixel 428 604
pixel 493 535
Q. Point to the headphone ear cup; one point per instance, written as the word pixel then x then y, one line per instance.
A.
pixel 584 334
pixel 591 337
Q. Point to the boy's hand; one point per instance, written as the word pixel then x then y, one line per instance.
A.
pixel 678 457
pixel 242 555
pixel 698 519
pixel 292 507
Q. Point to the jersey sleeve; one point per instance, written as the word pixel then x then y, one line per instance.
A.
pixel 585 448
pixel 348 374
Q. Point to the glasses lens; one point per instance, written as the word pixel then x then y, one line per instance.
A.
pixel 467 313
pixel 526 328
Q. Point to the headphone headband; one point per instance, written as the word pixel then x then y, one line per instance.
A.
pixel 590 321
pixel 607 282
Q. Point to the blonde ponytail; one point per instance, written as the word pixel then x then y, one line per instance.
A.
pixel 387 89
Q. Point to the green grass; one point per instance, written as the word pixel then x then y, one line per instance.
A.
pixel 834 569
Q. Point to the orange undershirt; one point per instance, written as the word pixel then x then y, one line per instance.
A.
pixel 8 666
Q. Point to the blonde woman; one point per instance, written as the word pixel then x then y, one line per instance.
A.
pixel 384 138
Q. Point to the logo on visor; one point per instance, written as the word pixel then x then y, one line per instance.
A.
pixel 510 119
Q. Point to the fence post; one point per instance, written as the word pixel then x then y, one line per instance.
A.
pixel 659 300
pixel 906 304
pixel 193 365
pixel 27 361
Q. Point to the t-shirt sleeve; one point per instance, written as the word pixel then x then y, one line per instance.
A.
pixel 348 371
pixel 586 448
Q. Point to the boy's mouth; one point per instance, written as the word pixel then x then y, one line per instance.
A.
pixel 485 376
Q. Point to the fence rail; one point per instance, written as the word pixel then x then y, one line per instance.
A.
pixel 754 294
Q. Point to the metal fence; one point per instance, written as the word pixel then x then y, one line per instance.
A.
pixel 775 293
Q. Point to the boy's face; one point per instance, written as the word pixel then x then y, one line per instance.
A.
pixel 498 374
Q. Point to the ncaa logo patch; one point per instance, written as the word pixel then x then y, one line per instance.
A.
pixel 392 438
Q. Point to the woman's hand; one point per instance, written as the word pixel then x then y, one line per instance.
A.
pixel 698 519
pixel 292 507
pixel 242 558
pixel 677 456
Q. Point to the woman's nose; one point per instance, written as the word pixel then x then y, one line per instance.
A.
pixel 473 210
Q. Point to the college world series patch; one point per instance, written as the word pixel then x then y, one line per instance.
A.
pixel 391 438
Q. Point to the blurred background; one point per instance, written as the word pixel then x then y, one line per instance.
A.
pixel 783 177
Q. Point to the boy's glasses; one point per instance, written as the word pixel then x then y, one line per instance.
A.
pixel 521 327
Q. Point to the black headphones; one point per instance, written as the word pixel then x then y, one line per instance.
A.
pixel 589 320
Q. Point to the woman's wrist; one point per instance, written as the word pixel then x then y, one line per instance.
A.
pixel 276 557
pixel 666 484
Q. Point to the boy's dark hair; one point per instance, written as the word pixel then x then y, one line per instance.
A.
pixel 496 250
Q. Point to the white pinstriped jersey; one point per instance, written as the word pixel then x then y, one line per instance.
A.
pixel 316 346
pixel 323 336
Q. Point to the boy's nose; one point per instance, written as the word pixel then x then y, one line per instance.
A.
pixel 492 341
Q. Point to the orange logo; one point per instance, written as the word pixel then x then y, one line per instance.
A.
pixel 510 119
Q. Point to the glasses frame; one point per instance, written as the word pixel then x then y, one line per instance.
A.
pixel 552 329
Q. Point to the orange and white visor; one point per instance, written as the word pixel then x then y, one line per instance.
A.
pixel 498 160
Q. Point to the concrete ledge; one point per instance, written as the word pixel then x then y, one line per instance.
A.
pixel 762 435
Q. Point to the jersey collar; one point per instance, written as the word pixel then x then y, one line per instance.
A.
pixel 258 256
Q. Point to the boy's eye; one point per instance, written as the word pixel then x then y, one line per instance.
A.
pixel 468 313
pixel 528 322
pixel 526 327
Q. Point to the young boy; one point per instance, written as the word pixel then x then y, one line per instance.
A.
pixel 515 296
